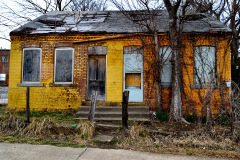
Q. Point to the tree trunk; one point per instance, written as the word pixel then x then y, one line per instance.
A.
pixel 209 110
pixel 158 71
pixel 176 104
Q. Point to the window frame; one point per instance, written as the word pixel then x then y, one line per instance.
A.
pixel 23 53
pixel 55 52
pixel 214 82
pixel 6 59
pixel 166 84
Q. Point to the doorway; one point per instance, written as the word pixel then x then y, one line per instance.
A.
pixel 97 77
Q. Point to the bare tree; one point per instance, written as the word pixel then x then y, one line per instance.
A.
pixel 145 17
pixel 177 16
pixel 233 12
pixel 21 12
pixel 88 5
pixel 228 11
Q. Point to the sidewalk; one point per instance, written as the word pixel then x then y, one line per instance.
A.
pixel 45 152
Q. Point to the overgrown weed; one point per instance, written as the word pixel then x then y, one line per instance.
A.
pixel 86 130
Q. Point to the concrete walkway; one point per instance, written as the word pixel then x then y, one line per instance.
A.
pixel 45 152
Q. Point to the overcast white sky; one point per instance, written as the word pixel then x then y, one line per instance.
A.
pixel 4 44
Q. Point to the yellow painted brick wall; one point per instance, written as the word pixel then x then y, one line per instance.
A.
pixel 191 99
pixel 114 71
pixel 44 98
pixel 69 98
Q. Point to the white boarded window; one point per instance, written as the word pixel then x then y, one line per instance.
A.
pixel 165 53
pixel 205 66
pixel 63 71
pixel 31 65
pixel 133 67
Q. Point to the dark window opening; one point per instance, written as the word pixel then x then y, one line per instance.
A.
pixel 63 66
pixel 4 59
pixel 31 65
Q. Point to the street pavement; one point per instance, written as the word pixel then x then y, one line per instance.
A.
pixel 46 152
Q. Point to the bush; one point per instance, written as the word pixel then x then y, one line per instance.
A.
pixel 191 118
pixel 204 119
pixel 162 116
pixel 224 121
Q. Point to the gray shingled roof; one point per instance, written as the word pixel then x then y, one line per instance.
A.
pixel 110 22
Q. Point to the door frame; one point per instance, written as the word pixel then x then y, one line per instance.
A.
pixel 142 75
pixel 87 98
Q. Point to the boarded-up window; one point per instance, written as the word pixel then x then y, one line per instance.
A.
pixel 63 65
pixel 133 80
pixel 31 65
pixel 133 67
pixel 205 68
pixel 166 54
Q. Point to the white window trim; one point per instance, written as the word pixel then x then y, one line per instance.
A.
pixel 63 48
pixel 40 64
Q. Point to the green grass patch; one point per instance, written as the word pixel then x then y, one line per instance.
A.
pixel 40 141
pixel 24 140
pixel 114 141
pixel 96 141
pixel 9 139
pixel 67 118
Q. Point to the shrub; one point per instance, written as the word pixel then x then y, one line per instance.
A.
pixel 191 118
pixel 224 121
pixel 204 119
pixel 162 116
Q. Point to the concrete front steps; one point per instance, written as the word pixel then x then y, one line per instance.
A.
pixel 114 113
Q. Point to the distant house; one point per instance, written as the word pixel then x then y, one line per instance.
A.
pixel 4 66
pixel 64 56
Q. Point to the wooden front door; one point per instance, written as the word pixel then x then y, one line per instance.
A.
pixel 97 76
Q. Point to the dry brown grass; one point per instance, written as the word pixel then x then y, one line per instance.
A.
pixel 11 123
pixel 39 127
pixel 86 130
pixel 138 136
pixel 217 144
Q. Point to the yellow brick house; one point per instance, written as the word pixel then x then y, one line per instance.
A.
pixel 64 56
